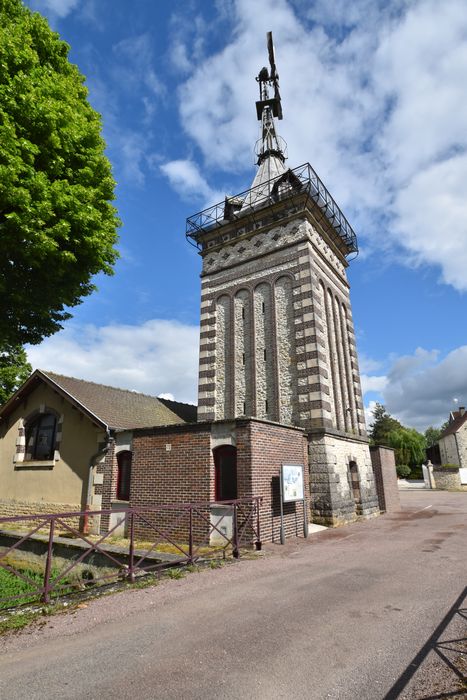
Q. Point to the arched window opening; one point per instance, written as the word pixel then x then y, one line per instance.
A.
pixel 354 482
pixel 124 475
pixel 40 437
pixel 225 460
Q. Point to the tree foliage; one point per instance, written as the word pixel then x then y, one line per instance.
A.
pixel 403 471
pixel 14 370
pixel 57 223
pixel 432 435
pixel 383 425
pixel 408 443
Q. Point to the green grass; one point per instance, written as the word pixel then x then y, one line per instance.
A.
pixel 175 573
pixel 17 622
pixel 11 585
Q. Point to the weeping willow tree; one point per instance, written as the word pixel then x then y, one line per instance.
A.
pixel 409 445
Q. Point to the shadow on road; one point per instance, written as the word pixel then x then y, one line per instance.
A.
pixel 450 667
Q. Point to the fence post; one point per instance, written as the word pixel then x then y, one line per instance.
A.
pixel 235 551
pixel 305 518
pixel 190 537
pixel 48 563
pixel 258 544
pixel 131 570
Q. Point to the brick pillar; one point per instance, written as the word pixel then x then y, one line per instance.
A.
pixel 384 469
pixel 109 487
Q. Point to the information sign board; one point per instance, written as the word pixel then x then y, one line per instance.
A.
pixel 292 483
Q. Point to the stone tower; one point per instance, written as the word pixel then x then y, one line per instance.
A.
pixel 277 339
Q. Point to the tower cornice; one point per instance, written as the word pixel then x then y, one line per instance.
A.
pixel 274 202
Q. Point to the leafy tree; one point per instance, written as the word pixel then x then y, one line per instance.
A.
pixel 403 471
pixel 382 426
pixel 432 436
pixel 444 426
pixel 14 370
pixel 57 223
pixel 409 445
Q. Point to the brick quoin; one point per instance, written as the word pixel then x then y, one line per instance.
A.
pixel 108 490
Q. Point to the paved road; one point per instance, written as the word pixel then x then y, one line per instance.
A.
pixel 339 616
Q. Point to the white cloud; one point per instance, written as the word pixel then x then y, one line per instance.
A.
pixel 368 364
pixel 432 218
pixel 159 357
pixel 179 56
pixel 419 389
pixel 130 149
pixel 373 97
pixel 135 67
pixel 135 74
pixel 410 365
pixel 132 155
pixel 185 177
pixel 373 383
pixel 369 413
pixel 59 8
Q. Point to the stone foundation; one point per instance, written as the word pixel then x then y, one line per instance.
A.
pixel 10 508
pixel 447 478
pixel 341 480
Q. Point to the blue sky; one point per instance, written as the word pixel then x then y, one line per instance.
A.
pixel 374 98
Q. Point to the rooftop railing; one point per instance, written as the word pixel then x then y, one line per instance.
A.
pixel 299 181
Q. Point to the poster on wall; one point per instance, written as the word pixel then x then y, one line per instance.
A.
pixel 292 483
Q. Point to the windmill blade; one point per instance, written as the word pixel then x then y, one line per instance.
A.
pixel 274 76
pixel 272 62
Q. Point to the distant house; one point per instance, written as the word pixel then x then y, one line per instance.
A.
pixel 453 440
pixel 66 444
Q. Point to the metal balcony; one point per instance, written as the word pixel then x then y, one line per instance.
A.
pixel 291 184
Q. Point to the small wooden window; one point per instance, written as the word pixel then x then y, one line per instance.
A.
pixel 124 475
pixel 40 437
pixel 225 459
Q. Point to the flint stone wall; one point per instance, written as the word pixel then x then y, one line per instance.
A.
pixel 447 478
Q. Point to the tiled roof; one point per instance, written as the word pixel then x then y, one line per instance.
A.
pixel 187 411
pixel 458 419
pixel 120 408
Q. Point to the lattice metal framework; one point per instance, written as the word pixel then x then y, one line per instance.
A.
pixel 299 181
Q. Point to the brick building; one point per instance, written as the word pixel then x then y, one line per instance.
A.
pixel 66 444
pixel 214 462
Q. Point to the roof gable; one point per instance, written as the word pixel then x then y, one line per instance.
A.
pixel 111 407
pixel 457 420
